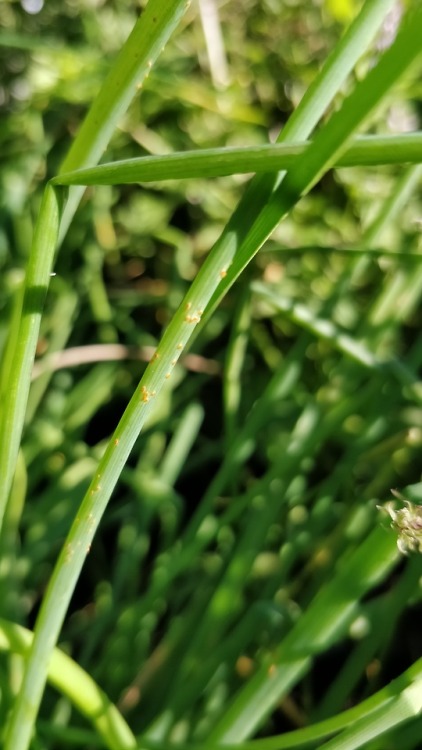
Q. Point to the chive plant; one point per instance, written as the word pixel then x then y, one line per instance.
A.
pixel 193 690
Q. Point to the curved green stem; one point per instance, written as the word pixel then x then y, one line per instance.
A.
pixel 73 682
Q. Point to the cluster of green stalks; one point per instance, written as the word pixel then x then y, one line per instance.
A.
pixel 285 172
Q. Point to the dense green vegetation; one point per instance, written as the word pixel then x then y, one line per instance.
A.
pixel 225 386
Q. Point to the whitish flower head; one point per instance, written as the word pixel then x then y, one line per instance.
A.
pixel 407 522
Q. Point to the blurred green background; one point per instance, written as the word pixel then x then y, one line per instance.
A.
pixel 122 270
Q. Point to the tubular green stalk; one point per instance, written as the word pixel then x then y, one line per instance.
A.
pixel 362 152
pixel 129 71
pixel 77 686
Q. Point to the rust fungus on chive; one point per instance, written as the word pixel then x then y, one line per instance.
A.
pixel 194 318
pixel 223 274
pixel 155 356
pixel 179 346
pixel 146 394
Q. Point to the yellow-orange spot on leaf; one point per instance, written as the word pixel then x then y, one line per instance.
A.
pixel 167 375
pixel 194 318
pixel 179 346
pixel 223 274
pixel 188 305
pixel 145 394
pixel 155 356
pixel 116 441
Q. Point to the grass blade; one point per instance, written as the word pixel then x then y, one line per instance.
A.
pixel 132 66
pixel 177 336
pixel 77 685
pixel 407 705
pixel 372 707
pixel 328 614
pixel 329 144
pixel 363 151
pixel 135 61
pixel 16 390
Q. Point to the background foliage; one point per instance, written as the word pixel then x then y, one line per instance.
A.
pixel 227 521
